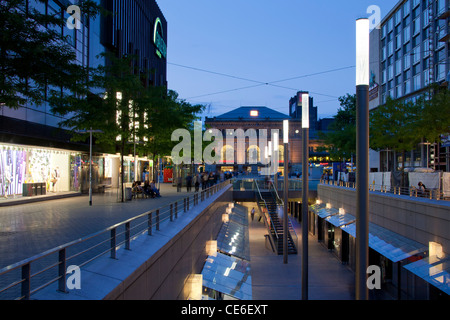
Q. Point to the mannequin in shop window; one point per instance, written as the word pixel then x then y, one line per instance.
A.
pixel 7 182
pixel 55 178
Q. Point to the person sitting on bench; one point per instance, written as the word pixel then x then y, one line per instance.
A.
pixel 147 190
pixel 154 189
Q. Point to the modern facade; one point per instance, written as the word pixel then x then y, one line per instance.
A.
pixel 32 143
pixel 410 51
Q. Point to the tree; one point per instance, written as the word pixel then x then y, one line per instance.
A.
pixel 340 141
pixel 434 117
pixel 394 126
pixel 129 114
pixel 37 63
pixel 165 113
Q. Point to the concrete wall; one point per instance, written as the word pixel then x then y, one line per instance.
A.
pixel 164 274
pixel 419 219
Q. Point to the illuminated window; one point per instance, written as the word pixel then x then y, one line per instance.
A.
pixel 254 113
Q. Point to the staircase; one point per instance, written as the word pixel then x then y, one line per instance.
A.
pixel 276 226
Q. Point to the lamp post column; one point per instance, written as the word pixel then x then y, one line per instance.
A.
pixel 362 157
pixel 286 189
pixel 305 191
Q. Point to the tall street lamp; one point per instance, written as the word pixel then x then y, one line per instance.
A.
pixel 305 191
pixel 275 158
pixel 362 157
pixel 286 189
pixel 90 158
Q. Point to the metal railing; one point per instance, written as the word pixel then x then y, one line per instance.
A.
pixel 434 194
pixel 267 218
pixel 280 202
pixel 27 277
pixel 247 184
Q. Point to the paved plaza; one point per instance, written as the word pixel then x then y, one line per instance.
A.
pixel 30 229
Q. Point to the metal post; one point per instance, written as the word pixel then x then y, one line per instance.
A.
pixel 176 210
pixel 113 243
pixel 62 270
pixel 362 191
pixel 362 157
pixel 305 191
pixel 127 236
pixel 286 197
pixel 25 287
pixel 149 223
pixel 157 219
pixel 90 167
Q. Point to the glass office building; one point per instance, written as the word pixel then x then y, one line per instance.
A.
pixel 31 135
pixel 410 51
pixel 413 47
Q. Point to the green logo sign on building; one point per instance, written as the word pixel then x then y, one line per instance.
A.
pixel 161 47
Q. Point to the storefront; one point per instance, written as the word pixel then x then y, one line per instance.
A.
pixel 391 252
pixel 28 170
pixel 340 243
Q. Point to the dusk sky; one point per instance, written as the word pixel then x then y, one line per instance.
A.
pixel 232 53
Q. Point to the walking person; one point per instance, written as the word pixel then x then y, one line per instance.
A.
pixel 179 182
pixel 205 181
pixel 196 182
pixel 253 213
pixel 188 183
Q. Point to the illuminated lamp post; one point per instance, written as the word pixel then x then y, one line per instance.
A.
pixel 286 189
pixel 305 191
pixel 90 131
pixel 362 157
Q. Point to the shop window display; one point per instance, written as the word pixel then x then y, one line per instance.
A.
pixel 12 170
pixel 22 169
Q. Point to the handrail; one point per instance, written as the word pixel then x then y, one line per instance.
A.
pixel 265 217
pixel 434 194
pixel 290 226
pixel 152 219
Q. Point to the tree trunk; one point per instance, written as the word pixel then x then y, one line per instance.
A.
pixel 403 168
pixel 121 169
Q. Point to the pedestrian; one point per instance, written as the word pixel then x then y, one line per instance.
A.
pixel 179 182
pixel 204 181
pixel 253 213
pixel 188 183
pixel 196 182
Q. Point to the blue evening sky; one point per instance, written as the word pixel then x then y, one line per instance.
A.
pixel 223 52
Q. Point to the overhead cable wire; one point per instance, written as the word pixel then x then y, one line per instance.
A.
pixel 260 83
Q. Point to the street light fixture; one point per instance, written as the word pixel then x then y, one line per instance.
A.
pixel 90 158
pixel 286 189
pixel 362 156
pixel 305 191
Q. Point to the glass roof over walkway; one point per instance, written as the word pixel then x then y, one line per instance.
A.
pixel 226 273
